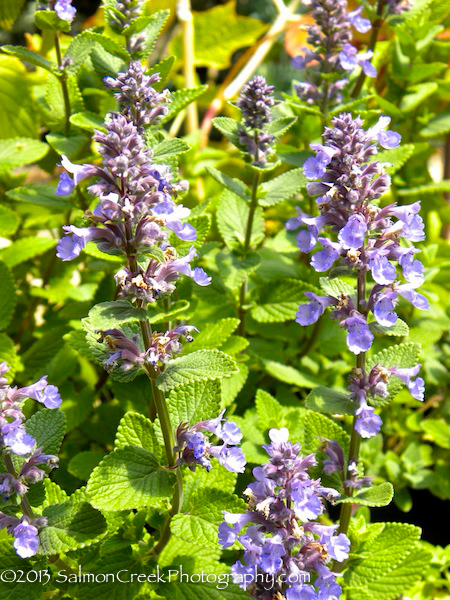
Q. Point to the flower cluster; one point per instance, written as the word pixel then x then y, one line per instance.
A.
pixel 65 10
pixel 125 13
pixel 255 103
pixel 25 532
pixel 15 440
pixel 368 240
pixel 333 53
pixel 335 464
pixel 284 544
pixel 126 353
pixel 143 104
pixel 194 447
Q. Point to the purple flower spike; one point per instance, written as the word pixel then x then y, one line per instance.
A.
pixel 359 338
pixel 27 541
pixel 359 23
pixel 353 234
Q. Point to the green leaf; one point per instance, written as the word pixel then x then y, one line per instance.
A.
pixel 416 94
pixel 282 188
pixel 17 152
pixel 278 127
pixel 48 20
pixel 377 495
pixel 25 249
pixel 234 268
pixel 71 146
pixel 234 185
pixel 279 302
pixel 289 374
pixel 396 157
pixel 7 295
pixel 28 56
pixel 44 349
pixel 138 431
pixel 327 400
pixel 201 521
pixel 83 463
pixel 18 116
pixel 199 366
pixel 268 409
pixel 436 187
pixel 163 68
pixel 41 195
pixel 88 120
pixel 129 478
pixel 195 402
pixel 318 426
pixel 110 315
pixel 214 46
pixel 181 99
pixel 177 308
pixel 232 219
pixel 152 29
pixel 230 129
pixel 335 287
pixel 213 335
pixel 8 354
pixel 399 329
pixel 438 126
pixel 18 588
pixel 437 431
pixel 201 591
pixel 53 494
pixel 168 148
pixel 48 427
pixel 9 222
pixel 70 526
pixel 403 356
pixel 9 12
pixel 92 250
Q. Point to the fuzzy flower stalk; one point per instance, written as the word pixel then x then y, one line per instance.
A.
pixel 34 464
pixel 287 552
pixel 122 17
pixel 366 240
pixel 325 66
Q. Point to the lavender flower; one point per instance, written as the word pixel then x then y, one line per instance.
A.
pixel 331 37
pixel 283 543
pixel 65 10
pixel 194 448
pixel 25 531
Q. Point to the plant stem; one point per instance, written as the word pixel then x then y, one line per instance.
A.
pixel 355 441
pixel 184 14
pixel 63 80
pixel 376 26
pixel 248 236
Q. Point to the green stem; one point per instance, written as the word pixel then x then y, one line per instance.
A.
pixel 63 80
pixel 248 236
pixel 376 26
pixel 355 441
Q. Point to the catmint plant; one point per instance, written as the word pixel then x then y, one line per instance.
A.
pixel 16 443
pixel 333 56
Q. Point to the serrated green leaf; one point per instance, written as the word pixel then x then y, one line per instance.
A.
pixel 48 20
pixel 235 186
pixel 138 431
pixel 402 355
pixel 234 268
pixel 41 195
pixel 195 402
pixel 7 295
pixel 48 427
pixel 279 302
pixel 70 146
pixel 163 68
pixel 437 187
pixel 335 287
pixel 268 409
pixel 233 385
pixel 28 56
pixel 289 374
pixel 88 120
pixel 168 148
pixel 199 366
pixel 83 463
pixel 129 478
pixel 319 426
pixel 232 219
pixel 53 494
pixel 327 400
pixel 438 126
pixel 110 315
pixel 396 157
pixel 282 188
pixel 416 94
pixel 230 129
pixel 152 30
pixel 399 329
pixel 218 478
pixel 213 335
pixel 39 354
pixel 155 315
pixel 8 354
pixel 17 152
pixel 70 526
pixel 201 522
pixel 437 431
pixel 377 495
pixel 92 250
pixel 181 99
pixel 278 127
